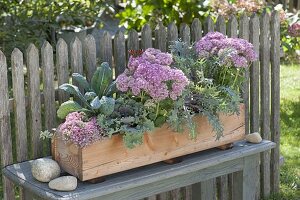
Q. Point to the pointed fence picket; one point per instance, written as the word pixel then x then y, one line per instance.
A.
pixel 35 85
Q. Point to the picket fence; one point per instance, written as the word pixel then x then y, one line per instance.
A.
pixel 35 80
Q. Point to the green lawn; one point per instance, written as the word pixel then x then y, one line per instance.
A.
pixel 290 134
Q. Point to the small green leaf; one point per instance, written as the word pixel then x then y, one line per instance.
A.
pixel 107 105
pixel 95 104
pixel 159 121
pixel 66 108
pixel 81 81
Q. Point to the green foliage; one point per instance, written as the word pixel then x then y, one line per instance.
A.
pixel 212 88
pixel 67 107
pixel 44 135
pixel 290 44
pixel 24 22
pixel 97 97
pixel 129 118
pixel 139 12
pixel 102 79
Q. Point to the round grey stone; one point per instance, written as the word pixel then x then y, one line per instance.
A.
pixel 45 169
pixel 64 183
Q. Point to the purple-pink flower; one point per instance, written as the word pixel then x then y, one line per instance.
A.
pixel 231 51
pixel 79 131
pixel 151 73
pixel 294 29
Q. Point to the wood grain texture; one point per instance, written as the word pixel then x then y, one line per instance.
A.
pixel 196 30
pixel 265 100
pixel 150 180
pixel 244 33
pixel 62 67
pixel 160 145
pixel 185 33
pixel 35 122
pixel 172 34
pixel 119 53
pixel 133 40
pixel 146 37
pixel 275 99
pixel 251 178
pixel 208 25
pixel 5 130
pixel 161 37
pixel 90 56
pixel 254 75
pixel 237 185
pixel 106 48
pixel 221 25
pixel 232 27
pixel 222 187
pixel 208 189
pixel 19 104
pixel 48 88
pixel 76 61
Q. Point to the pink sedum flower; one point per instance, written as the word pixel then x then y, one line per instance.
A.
pixel 151 73
pixel 79 131
pixel 232 51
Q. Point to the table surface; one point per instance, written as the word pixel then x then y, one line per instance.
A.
pixel 21 173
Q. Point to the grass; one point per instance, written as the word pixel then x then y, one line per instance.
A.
pixel 290 134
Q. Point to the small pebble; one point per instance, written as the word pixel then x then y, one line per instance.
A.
pixel 64 183
pixel 253 138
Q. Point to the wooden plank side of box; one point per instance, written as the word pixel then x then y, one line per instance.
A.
pixel 110 155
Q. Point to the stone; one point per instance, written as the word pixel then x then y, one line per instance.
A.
pixel 45 169
pixel 253 138
pixel 64 183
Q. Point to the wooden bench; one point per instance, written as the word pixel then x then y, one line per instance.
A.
pixel 242 160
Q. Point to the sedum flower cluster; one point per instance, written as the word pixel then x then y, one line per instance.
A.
pixel 80 130
pixel 294 29
pixel 151 73
pixel 232 51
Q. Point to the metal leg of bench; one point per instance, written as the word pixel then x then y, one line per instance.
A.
pixel 246 183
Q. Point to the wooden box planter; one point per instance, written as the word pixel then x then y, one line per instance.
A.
pixel 111 156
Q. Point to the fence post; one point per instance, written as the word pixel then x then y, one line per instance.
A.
pixel 5 131
pixel 265 100
pixel 33 63
pixel 62 66
pixel 48 89
pixel 90 57
pixel 275 99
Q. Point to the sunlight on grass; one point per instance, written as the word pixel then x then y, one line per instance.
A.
pixel 290 133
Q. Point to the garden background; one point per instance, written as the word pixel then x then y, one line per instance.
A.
pixel 33 21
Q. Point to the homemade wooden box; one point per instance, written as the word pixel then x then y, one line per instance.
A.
pixel 111 156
